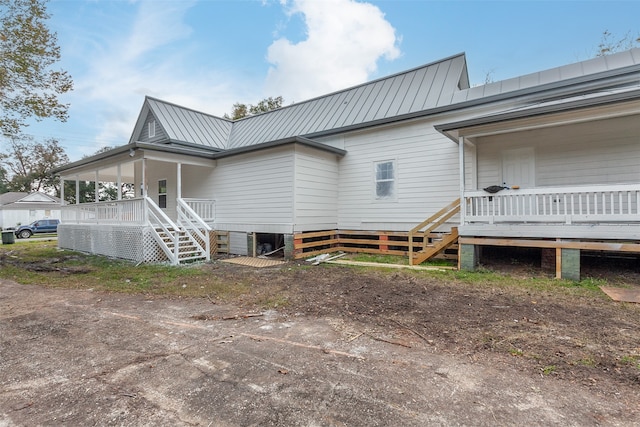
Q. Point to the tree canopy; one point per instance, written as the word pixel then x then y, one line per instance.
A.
pixel 29 86
pixel 243 110
pixel 29 162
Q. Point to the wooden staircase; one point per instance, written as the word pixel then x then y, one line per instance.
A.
pixel 188 249
pixel 432 242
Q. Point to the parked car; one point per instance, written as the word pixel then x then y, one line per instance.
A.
pixel 40 226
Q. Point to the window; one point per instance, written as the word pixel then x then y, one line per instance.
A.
pixel 385 179
pixel 162 193
pixel 152 128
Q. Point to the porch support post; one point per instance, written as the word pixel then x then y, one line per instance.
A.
pixel 144 178
pixel 179 180
pixel 119 182
pixel 97 187
pixel 144 193
pixel 77 198
pixel 463 204
pixel 61 190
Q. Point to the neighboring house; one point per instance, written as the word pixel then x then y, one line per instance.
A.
pixel 379 158
pixel 18 208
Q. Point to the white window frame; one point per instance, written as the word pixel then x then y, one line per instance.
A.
pixel 393 180
pixel 166 190
pixel 152 128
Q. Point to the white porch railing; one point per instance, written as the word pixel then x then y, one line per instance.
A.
pixel 131 211
pixel 584 204
pixel 161 223
pixel 203 208
pixel 195 225
pixel 187 239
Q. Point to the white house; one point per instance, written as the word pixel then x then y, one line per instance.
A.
pixel 377 159
pixel 17 208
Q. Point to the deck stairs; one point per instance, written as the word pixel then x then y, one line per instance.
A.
pixel 426 240
pixel 189 250
pixel 187 240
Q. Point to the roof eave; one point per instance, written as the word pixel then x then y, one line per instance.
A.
pixel 452 129
pixel 292 140
pixel 200 151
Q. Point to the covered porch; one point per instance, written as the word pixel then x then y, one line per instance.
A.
pixel 562 175
pixel 131 203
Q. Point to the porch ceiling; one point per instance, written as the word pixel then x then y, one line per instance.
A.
pixel 107 174
pixel 548 114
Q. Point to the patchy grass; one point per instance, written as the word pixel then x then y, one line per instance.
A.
pixel 44 264
pixel 395 259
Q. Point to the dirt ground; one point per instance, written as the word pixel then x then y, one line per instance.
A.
pixel 348 347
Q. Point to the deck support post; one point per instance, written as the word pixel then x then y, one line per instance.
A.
pixel 468 257
pixel 570 264
pixel 289 246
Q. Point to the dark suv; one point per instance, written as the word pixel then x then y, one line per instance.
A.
pixel 40 226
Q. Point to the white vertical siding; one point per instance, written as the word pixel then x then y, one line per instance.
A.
pixel 196 182
pixel 426 176
pixel 253 191
pixel 597 152
pixel 316 190
pixel 238 243
pixel 163 170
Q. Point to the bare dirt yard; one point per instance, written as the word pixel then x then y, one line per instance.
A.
pixel 335 346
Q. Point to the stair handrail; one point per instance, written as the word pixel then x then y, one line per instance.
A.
pixel 156 217
pixel 435 220
pixel 191 220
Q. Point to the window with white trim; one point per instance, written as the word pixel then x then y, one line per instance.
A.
pixel 152 128
pixel 385 173
pixel 162 193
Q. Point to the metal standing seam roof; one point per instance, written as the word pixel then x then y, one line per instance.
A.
pixel 554 75
pixel 434 86
pixel 421 88
pixel 187 125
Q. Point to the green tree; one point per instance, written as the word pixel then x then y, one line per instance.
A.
pixel 29 86
pixel 87 189
pixel 242 110
pixel 3 181
pixel 29 163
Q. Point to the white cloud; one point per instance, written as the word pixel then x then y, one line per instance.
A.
pixel 345 39
pixel 155 57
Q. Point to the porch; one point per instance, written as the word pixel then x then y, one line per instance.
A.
pixel 569 169
pixel 573 212
pixel 137 229
pixel 117 213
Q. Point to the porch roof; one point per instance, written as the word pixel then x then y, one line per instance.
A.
pixel 618 102
pixel 197 152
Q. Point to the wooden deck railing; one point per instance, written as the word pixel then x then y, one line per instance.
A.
pixel 584 204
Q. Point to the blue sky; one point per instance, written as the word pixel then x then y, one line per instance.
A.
pixel 209 54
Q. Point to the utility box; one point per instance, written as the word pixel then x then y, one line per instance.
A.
pixel 8 237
